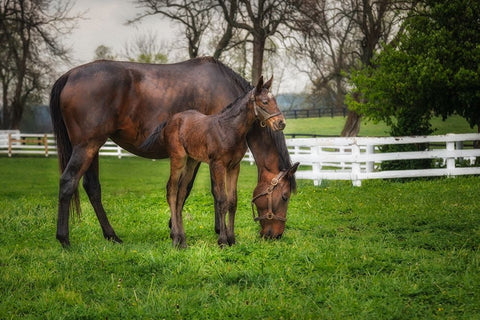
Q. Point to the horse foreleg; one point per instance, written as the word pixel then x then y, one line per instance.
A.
pixel 218 177
pixel 232 178
pixel 91 184
pixel 76 167
pixel 177 232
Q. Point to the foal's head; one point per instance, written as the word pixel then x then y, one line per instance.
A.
pixel 265 106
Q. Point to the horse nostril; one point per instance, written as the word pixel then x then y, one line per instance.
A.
pixel 281 125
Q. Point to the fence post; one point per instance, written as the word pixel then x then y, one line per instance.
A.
pixel 370 164
pixel 356 165
pixel 317 164
pixel 119 152
pixel 45 143
pixel 10 145
pixel 451 159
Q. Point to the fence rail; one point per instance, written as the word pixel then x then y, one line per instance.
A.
pixel 313 113
pixel 327 158
pixel 14 142
pixel 358 159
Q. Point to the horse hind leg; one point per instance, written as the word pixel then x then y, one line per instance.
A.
pixel 177 232
pixel 232 179
pixel 91 184
pixel 76 167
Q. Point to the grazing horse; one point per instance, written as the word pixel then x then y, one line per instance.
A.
pixel 191 137
pixel 126 101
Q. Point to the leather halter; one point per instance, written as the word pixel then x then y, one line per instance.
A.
pixel 262 112
pixel 270 215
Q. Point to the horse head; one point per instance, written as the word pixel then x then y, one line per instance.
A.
pixel 271 201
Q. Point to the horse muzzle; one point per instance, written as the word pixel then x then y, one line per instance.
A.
pixel 272 232
pixel 279 125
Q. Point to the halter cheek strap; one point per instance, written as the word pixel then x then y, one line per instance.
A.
pixel 264 115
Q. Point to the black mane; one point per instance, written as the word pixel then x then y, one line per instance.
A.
pixel 238 79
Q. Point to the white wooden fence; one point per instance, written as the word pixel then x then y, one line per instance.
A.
pixel 354 159
pixel 13 142
pixel 357 159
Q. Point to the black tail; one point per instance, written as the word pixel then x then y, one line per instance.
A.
pixel 150 141
pixel 64 146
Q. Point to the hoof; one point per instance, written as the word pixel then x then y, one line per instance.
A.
pixel 224 242
pixel 178 241
pixel 231 241
pixel 114 239
pixel 64 241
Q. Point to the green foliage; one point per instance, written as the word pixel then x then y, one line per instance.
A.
pixel 433 69
pixel 382 251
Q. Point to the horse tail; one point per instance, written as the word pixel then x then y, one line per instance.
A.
pixel 64 145
pixel 150 141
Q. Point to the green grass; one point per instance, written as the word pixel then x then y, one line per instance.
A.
pixel 333 126
pixel 385 250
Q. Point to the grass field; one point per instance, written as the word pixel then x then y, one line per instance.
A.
pixel 386 250
pixel 333 126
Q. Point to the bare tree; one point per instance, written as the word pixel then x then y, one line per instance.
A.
pixel 344 34
pixel 241 22
pixel 145 48
pixel 328 44
pixel 262 19
pixel 195 16
pixel 29 34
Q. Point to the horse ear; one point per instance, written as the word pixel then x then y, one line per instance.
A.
pixel 268 84
pixel 292 170
pixel 259 85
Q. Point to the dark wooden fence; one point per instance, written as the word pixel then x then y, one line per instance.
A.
pixel 313 113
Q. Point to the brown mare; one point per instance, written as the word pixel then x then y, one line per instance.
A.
pixel 126 102
pixel 219 140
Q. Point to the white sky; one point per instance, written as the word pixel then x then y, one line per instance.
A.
pixel 104 21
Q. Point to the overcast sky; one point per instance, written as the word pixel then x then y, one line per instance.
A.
pixel 104 21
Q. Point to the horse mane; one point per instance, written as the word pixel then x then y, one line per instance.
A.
pixel 285 161
pixel 235 77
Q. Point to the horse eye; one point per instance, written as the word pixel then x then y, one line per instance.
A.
pixel 284 197
pixel 265 101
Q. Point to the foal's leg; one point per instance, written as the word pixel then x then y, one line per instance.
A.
pixel 77 165
pixel 91 185
pixel 185 182
pixel 232 177
pixel 218 176
pixel 177 232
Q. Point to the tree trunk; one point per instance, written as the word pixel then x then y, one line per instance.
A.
pixel 352 125
pixel 16 115
pixel 257 63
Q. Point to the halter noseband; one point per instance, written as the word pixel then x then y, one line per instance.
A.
pixel 270 215
pixel 260 111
